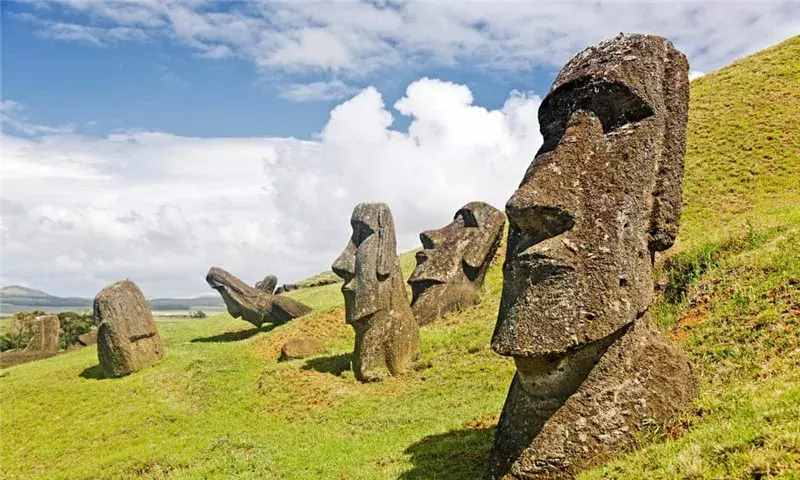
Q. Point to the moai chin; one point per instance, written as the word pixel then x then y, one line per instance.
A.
pixel 375 300
pixel 255 305
pixel 602 195
pixel 453 261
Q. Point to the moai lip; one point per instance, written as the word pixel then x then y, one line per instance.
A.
pixel 376 304
pixel 601 197
pixel 453 261
pixel 254 305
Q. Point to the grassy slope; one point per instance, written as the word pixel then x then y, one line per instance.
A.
pixel 220 406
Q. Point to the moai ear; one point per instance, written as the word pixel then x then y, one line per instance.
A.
pixel 666 212
pixel 387 243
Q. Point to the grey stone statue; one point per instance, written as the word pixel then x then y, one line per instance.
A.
pixel 602 195
pixel 453 261
pixel 376 304
pixel 254 305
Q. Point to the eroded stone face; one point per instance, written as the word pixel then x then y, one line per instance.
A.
pixel 453 262
pixel 376 305
pixel 127 337
pixel 600 198
pixel 254 305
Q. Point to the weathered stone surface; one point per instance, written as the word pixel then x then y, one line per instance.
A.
pixel 88 338
pixel 600 198
pixel 268 284
pixel 376 304
pixel 46 334
pixel 301 347
pixel 252 304
pixel 286 287
pixel 453 262
pixel 127 337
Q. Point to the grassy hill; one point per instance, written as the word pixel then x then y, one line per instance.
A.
pixel 220 406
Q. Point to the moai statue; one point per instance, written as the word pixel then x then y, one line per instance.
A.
pixel 127 337
pixel 453 261
pixel 254 305
pixel 602 195
pixel 375 300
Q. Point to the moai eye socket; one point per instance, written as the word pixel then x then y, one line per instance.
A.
pixel 614 103
pixel 467 218
pixel 361 232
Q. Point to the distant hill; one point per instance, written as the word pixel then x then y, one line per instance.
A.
pixel 18 296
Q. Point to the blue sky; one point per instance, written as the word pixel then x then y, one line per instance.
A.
pixel 152 139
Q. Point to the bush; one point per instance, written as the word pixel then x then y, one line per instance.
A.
pixel 72 325
pixel 197 314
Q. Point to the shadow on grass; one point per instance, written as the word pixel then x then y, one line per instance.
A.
pixel 453 455
pixel 233 336
pixel 333 364
pixel 93 373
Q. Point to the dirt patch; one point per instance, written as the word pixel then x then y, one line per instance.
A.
pixel 324 326
pixel 689 320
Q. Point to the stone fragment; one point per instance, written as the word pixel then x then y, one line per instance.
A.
pixel 600 198
pixel 127 337
pixel 46 334
pixel 453 261
pixel 252 304
pixel 300 347
pixel 88 338
pixel 376 304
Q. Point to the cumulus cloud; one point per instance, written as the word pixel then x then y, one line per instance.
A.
pixel 79 211
pixel 354 39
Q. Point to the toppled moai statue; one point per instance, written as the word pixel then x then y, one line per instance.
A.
pixel 601 197
pixel 46 334
pixel 375 300
pixel 453 262
pixel 127 337
pixel 253 304
pixel 268 284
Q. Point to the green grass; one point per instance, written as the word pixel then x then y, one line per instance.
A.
pixel 220 406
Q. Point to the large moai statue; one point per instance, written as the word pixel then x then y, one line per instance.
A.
pixel 375 300
pixel 602 195
pixel 254 305
pixel 127 337
pixel 453 261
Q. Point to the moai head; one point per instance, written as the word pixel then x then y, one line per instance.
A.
pixel 602 195
pixel 255 305
pixel 599 199
pixel 454 259
pixel 368 261
pixel 375 300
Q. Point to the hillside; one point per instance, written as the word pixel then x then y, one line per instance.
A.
pixel 220 406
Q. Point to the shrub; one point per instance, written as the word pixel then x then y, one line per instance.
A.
pixel 72 325
pixel 197 314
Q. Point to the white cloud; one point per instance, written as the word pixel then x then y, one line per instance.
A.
pixel 354 39
pixel 79 212
pixel 695 74
pixel 306 92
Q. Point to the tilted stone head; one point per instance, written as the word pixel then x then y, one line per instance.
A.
pixel 376 305
pixel 601 196
pixel 252 304
pixel 127 337
pixel 453 262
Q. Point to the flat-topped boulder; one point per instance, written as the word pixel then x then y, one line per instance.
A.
pixel 127 337
pixel 46 334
